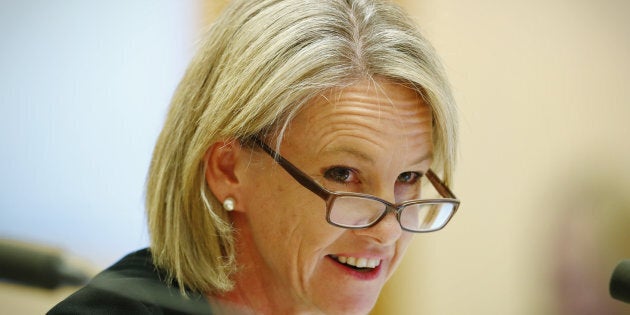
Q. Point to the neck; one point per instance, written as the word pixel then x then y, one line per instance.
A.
pixel 256 289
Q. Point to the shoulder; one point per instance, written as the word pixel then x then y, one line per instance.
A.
pixel 131 286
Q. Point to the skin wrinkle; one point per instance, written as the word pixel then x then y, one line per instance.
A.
pixel 400 116
pixel 354 96
pixel 288 242
pixel 384 104
pixel 269 288
pixel 299 260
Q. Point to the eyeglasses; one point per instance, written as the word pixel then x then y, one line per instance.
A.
pixel 357 211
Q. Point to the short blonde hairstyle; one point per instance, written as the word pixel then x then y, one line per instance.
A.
pixel 262 60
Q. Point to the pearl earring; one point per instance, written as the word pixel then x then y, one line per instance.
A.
pixel 228 204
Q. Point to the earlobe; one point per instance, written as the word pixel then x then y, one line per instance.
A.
pixel 220 169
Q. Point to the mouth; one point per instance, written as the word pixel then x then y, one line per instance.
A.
pixel 360 264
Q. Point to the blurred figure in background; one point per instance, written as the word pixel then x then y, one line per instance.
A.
pixel 593 236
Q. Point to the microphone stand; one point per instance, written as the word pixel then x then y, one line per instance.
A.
pixel 620 282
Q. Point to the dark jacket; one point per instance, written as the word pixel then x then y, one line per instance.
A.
pixel 133 285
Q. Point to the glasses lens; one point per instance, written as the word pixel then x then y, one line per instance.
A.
pixel 351 211
pixel 425 217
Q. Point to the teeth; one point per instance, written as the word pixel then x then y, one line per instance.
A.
pixel 359 262
pixel 373 263
pixel 351 261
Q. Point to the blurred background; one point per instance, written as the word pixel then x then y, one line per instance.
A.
pixel 543 172
pixel 84 88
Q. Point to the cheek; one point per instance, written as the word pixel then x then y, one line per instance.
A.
pixel 401 248
pixel 277 200
pixel 292 238
pixel 404 241
pixel 284 216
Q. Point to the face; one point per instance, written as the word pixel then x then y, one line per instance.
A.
pixel 373 139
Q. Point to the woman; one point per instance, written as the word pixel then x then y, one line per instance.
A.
pixel 287 176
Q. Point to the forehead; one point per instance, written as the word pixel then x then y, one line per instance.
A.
pixel 377 114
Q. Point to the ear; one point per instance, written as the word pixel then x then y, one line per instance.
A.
pixel 221 161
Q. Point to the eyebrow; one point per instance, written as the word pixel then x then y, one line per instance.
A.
pixel 367 158
pixel 356 153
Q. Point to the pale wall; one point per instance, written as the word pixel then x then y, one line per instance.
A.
pixel 84 88
pixel 544 98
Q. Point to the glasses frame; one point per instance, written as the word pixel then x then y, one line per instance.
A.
pixel 329 196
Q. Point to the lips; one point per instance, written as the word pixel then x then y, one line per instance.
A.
pixel 359 263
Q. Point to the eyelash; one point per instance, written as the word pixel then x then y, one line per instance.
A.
pixel 333 174
pixel 329 174
pixel 416 177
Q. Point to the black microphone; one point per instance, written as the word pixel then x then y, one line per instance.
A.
pixel 620 282
pixel 41 267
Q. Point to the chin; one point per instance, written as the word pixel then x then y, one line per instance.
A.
pixel 352 309
pixel 351 305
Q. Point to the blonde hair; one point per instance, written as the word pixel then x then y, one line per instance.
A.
pixel 259 64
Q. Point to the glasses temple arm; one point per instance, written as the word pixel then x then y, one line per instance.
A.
pixel 295 172
pixel 439 185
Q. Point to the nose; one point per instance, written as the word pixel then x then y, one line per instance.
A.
pixel 386 232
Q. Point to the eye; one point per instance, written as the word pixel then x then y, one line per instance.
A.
pixel 340 174
pixel 409 177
